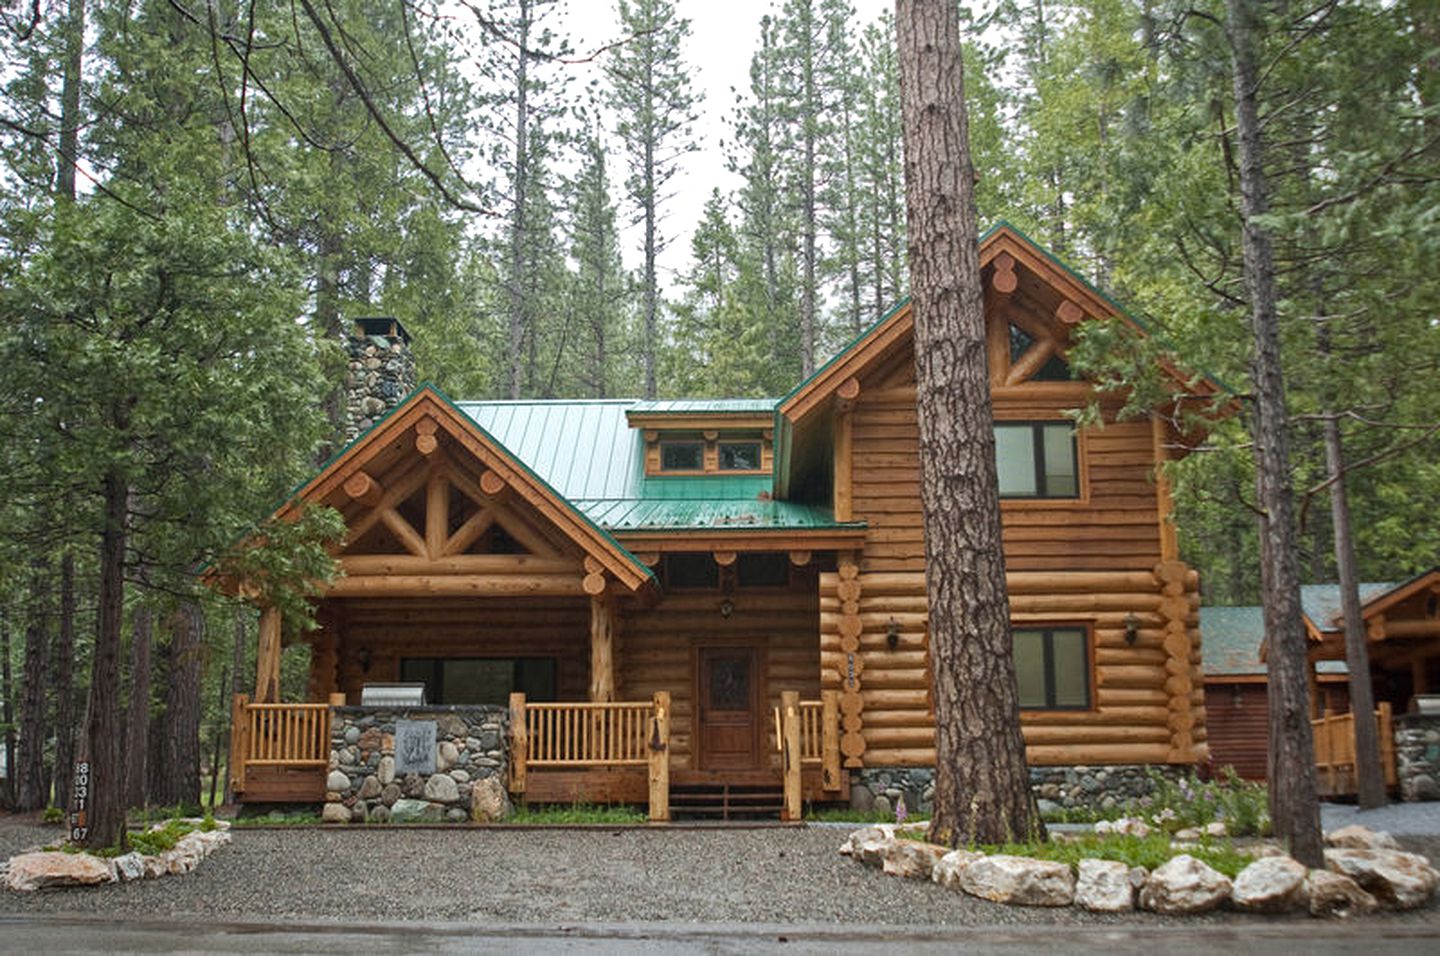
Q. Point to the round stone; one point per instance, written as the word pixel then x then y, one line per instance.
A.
pixel 352 735
pixel 337 781
pixel 459 776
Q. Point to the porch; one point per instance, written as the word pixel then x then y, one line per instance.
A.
pixel 571 752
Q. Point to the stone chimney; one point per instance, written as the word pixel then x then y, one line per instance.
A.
pixel 380 372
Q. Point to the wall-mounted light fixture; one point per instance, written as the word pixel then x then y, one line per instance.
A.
pixel 727 607
pixel 1132 628
pixel 363 656
pixel 892 634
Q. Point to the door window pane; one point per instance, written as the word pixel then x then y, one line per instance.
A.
pixel 729 683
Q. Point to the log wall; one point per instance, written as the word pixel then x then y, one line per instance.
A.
pixel 658 646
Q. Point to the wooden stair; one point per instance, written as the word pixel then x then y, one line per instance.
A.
pixel 723 800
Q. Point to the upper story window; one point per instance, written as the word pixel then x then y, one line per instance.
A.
pixel 1052 668
pixel 682 456
pixel 739 456
pixel 1037 460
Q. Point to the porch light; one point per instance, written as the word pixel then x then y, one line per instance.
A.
pixel 892 634
pixel 727 607
pixel 1132 628
pixel 363 656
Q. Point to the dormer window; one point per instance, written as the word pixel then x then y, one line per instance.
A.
pixel 740 456
pixel 682 456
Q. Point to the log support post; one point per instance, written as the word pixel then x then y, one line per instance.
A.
pixel 602 649
pixel 519 742
pixel 844 499
pixel 239 741
pixel 267 658
pixel 660 758
pixel 830 740
pixel 790 750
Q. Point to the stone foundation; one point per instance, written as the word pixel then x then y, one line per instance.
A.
pixel 1093 788
pixel 1417 756
pixel 470 760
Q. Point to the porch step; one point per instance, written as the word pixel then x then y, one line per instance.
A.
pixel 726 801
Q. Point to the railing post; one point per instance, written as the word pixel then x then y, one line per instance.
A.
pixel 830 740
pixel 790 731
pixel 239 742
pixel 519 742
pixel 660 758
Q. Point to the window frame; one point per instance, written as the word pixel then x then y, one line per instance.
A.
pixel 1047 629
pixel 696 443
pixel 436 668
pixel 757 443
pixel 1037 428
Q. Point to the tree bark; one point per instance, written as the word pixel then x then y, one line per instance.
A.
pixel 237 676
pixel 178 780
pixel 1369 775
pixel 1294 804
pixel 7 714
pixel 70 109
pixel 519 320
pixel 64 681
pixel 32 792
pixel 982 785
pixel 137 720
pixel 105 815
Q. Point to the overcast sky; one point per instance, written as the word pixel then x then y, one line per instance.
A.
pixel 723 36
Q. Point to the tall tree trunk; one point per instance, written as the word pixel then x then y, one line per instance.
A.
pixel 519 319
pixel 64 682
pixel 809 121
pixel 33 793
pixel 1369 775
pixel 7 714
pixel 137 719
pixel 1294 804
pixel 70 104
pixel 982 786
pixel 237 676
pixel 178 777
pixel 105 813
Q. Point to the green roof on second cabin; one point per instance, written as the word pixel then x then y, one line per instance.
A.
pixel 1321 602
pixel 702 406
pixel 587 451
pixel 1230 639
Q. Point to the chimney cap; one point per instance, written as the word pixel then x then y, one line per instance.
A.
pixel 385 325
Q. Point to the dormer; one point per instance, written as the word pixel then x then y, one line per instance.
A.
pixel 720 437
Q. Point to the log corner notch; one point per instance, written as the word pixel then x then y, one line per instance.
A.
pixel 1178 608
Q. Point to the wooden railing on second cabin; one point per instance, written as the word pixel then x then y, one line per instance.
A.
pixel 584 735
pixel 1335 750
pixel 288 736
pixel 807 732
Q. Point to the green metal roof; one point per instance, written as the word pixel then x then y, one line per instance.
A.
pixel 703 406
pixel 587 451
pixel 1230 639
pixel 1322 606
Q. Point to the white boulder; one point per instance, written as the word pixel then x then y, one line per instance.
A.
pixel 37 871
pixel 1184 885
pixel 911 858
pixel 1338 897
pixel 1357 837
pixel 1397 879
pixel 949 867
pixel 1275 884
pixel 1104 887
pixel 1019 880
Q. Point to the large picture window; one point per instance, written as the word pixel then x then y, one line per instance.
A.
pixel 1052 668
pixel 1036 460
pixel 481 680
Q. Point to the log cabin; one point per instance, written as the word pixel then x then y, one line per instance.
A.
pixel 740 584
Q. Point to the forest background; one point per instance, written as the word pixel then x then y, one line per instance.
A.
pixel 196 197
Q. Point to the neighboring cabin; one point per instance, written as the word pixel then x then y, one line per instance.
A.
pixel 725 552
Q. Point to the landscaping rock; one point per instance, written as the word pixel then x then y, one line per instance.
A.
pixel 370 789
pixel 1216 829
pixel 1019 880
pixel 489 803
pixel 1357 837
pixel 335 813
pixel 37 871
pixel 1275 884
pixel 129 867
pixel 1126 826
pixel 385 772
pixel 1335 896
pixel 1398 880
pixel 379 814
pixel 1104 887
pixel 912 859
pixel 337 782
pixel 416 811
pixel 949 867
pixel 1184 885
pixel 867 845
pixel 446 756
pixel 441 789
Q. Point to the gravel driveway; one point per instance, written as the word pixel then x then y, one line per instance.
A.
pixel 769 875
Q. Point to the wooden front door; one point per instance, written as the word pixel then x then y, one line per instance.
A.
pixel 729 696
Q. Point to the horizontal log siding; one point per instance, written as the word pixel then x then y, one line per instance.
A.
pixel 502 627
pixel 1133 717
pixel 1117 528
pixel 1238 721
pixel 656 650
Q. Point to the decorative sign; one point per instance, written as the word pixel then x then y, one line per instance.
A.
pixel 414 746
pixel 80 803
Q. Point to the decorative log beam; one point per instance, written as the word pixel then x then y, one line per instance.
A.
pixel 529 538
pixel 363 488
pixel 492 484
pixel 602 649
pixel 457 585
pixel 594 584
pixel 267 658
pixel 843 499
pixel 466 535
pixel 648 558
pixel 1031 361
pixel 1069 313
pixel 380 564
pixel 437 514
pixel 401 528
pixel 425 439
pixel 724 558
pixel 398 491
pixel 800 558
pixel 1003 280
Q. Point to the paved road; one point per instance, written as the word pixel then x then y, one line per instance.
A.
pixel 1399 819
pixel 72 935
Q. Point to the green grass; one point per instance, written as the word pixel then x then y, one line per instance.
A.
pixel 575 813
pixel 846 815
pixel 298 819
pixel 1149 852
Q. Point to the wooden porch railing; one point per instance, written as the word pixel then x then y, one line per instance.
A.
pixel 277 735
pixel 1335 749
pixel 808 735
pixel 594 734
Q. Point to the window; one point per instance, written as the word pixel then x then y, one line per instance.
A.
pixel 682 456
pixel 1052 668
pixel 763 570
pixel 690 572
pixel 481 680
pixel 1055 369
pixel 739 456
pixel 1036 460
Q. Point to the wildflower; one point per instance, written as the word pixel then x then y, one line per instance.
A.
pixel 900 811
